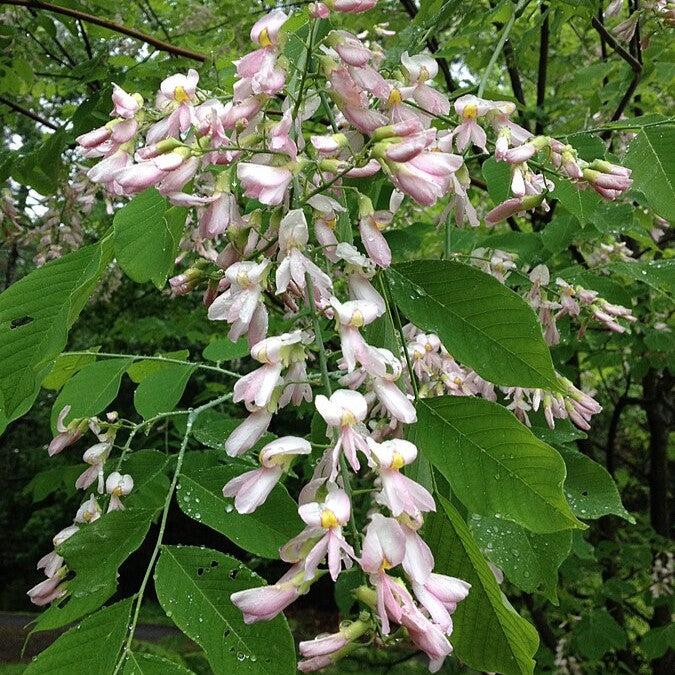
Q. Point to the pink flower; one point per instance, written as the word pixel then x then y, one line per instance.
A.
pixel 89 511
pixel 246 435
pixel 512 206
pixel 350 316
pixel 383 545
pixel 428 637
pixel 350 49
pixel 265 31
pixel 293 237
pixel 470 107
pixel 68 434
pixel 353 102
pixel 426 177
pixel 242 301
pixel 126 105
pixel 318 10
pixel 96 457
pixel 274 353
pixel 265 602
pixel 252 488
pixel 399 493
pixel 51 562
pixel 325 220
pixel 326 649
pixel 344 410
pixel 370 229
pixel 384 375
pixel 323 537
pixel 351 6
pixel 267 184
pixel 118 485
pixel 279 139
pixel 440 595
pixel 178 90
pixel 48 590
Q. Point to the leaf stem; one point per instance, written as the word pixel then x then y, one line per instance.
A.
pixel 192 417
pixel 141 357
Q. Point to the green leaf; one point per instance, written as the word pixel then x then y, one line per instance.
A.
pixel 147 233
pixel 223 349
pixel 485 325
pixel 494 464
pixel 35 315
pixel 143 368
pixel 194 586
pixel 47 482
pixel 64 368
pixel 498 178
pixel 42 167
pixel 151 484
pixel 95 554
pixel 659 275
pixel 91 390
pixel 151 664
pixel 560 232
pixel 529 560
pixel 657 641
pixel 590 489
pixel 489 635
pixel 161 391
pixel 91 647
pixel 597 633
pixel 580 203
pixel 261 533
pixel 651 156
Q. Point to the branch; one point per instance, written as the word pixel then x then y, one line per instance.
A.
pixel 110 25
pixel 541 71
pixel 514 77
pixel 634 63
pixel 28 113
pixel 432 43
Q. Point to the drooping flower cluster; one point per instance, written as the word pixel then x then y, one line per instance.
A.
pixel 291 252
pixel 115 485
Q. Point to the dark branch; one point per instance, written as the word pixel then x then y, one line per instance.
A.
pixel 110 25
pixel 85 39
pixel 432 43
pixel 28 113
pixel 541 71
pixel 634 63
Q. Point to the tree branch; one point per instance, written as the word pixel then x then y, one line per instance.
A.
pixel 110 25
pixel 634 63
pixel 514 77
pixel 541 71
pixel 28 113
pixel 432 43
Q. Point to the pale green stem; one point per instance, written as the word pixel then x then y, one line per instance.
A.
pixel 192 417
pixel 140 357
pixel 500 45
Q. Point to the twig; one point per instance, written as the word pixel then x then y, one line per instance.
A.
pixel 140 357
pixel 516 84
pixel 634 63
pixel 85 39
pixel 541 71
pixel 110 25
pixel 192 417
pixel 28 113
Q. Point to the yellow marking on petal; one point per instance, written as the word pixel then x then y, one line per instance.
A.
pixel 397 461
pixel 328 519
pixel 181 95
pixel 386 565
pixel 330 223
pixel 264 38
pixel 470 111
pixel 357 319
pixel 348 419
pixel 394 97
pixel 243 280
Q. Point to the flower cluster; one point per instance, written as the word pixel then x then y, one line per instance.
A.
pixel 115 485
pixel 264 172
